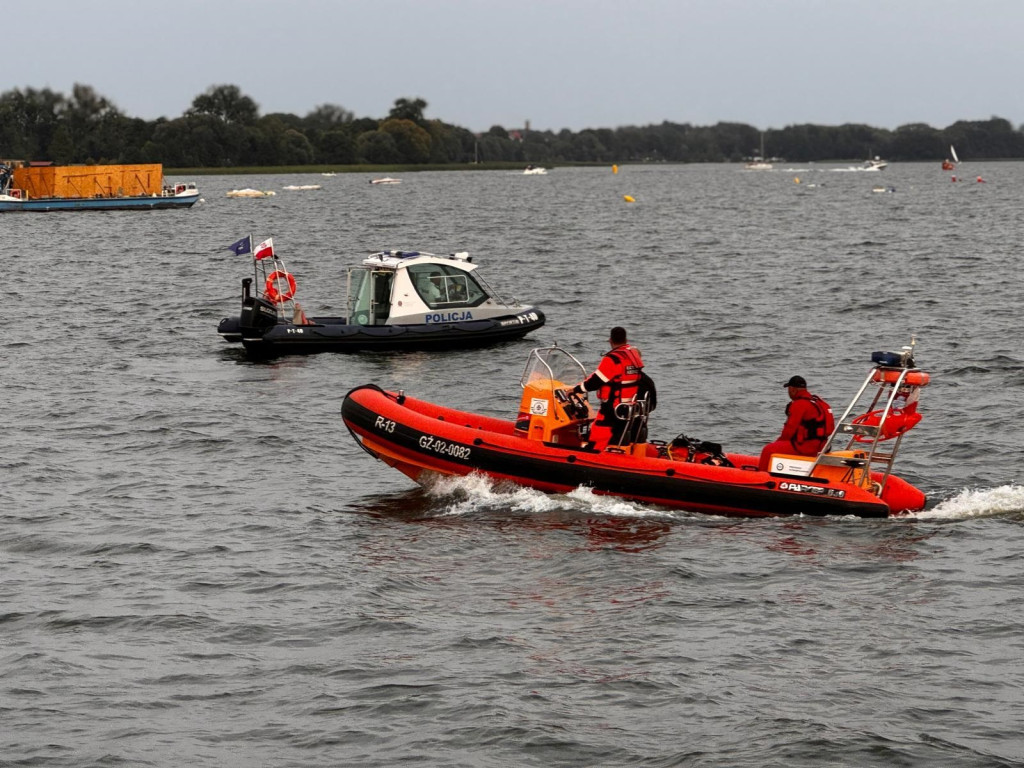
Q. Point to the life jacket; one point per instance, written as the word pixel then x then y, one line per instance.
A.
pixel 623 383
pixel 814 429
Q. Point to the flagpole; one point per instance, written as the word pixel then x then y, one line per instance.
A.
pixel 255 268
pixel 274 256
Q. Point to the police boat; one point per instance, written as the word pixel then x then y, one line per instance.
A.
pixel 408 300
pixel 546 447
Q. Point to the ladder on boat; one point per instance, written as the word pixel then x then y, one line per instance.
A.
pixel 860 441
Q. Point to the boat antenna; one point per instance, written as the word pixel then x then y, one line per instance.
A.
pixel 908 352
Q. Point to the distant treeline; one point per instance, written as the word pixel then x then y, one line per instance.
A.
pixel 223 129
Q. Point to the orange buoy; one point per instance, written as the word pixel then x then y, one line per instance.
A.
pixel 270 289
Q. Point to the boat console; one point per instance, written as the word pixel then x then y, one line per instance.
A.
pixel 548 410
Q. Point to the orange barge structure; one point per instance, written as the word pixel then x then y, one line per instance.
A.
pixel 42 188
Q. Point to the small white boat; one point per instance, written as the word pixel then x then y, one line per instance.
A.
pixel 759 163
pixel 535 170
pixel 386 180
pixel 331 173
pixel 247 192
pixel 303 186
pixel 874 165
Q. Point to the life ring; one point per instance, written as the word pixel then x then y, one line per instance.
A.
pixel 899 421
pixel 270 289
pixel 915 378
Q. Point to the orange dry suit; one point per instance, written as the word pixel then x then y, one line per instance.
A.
pixel 616 381
pixel 809 422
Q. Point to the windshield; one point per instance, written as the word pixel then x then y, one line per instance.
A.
pixel 552 366
pixel 445 286
pixel 359 297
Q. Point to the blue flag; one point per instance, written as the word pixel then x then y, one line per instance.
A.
pixel 242 246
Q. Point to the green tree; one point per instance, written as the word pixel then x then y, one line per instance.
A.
pixel 408 109
pixel 327 117
pixel 337 147
pixel 28 122
pixel 62 148
pixel 226 102
pixel 83 116
pixel 917 141
pixel 378 147
pixel 411 141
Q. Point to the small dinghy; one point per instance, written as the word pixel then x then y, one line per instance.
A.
pixel 395 300
pixel 546 447
pixel 249 192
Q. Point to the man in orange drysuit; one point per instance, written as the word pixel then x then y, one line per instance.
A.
pixel 809 424
pixel 616 381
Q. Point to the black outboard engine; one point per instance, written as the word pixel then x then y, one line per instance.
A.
pixel 257 314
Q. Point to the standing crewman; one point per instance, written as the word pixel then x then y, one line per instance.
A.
pixel 809 423
pixel 616 381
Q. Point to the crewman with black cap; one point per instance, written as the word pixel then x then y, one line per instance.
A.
pixel 809 423
pixel 616 381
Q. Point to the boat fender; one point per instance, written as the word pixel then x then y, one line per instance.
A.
pixel 270 289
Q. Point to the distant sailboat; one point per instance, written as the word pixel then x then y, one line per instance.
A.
pixel 759 163
pixel 949 165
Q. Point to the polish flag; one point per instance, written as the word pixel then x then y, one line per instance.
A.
pixel 264 249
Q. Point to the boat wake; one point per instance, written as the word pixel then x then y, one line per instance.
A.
pixel 476 493
pixel 1004 501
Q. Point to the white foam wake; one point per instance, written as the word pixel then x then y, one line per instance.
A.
pixel 970 503
pixel 476 492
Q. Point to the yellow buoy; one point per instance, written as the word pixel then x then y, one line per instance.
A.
pixel 615 169
pixel 796 180
pixel 628 199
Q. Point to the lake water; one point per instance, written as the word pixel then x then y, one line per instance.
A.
pixel 202 568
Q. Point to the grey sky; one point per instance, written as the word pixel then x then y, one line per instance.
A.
pixel 557 63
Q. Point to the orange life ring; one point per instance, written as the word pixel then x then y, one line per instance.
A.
pixel 899 421
pixel 270 289
pixel 915 378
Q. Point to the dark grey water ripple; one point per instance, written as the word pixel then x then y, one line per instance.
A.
pixel 201 567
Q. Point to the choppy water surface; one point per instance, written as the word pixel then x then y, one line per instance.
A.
pixel 200 567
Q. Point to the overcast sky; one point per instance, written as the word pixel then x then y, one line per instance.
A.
pixel 556 63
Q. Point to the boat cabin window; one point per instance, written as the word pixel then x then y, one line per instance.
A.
pixel 445 286
pixel 369 296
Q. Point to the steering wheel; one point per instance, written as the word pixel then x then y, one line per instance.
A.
pixel 575 406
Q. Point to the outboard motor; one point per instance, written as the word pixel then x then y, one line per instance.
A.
pixel 257 314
